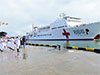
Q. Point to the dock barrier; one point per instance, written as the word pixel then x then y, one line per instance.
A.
pixel 85 49
pixel 55 46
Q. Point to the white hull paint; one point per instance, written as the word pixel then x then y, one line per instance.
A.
pixel 60 30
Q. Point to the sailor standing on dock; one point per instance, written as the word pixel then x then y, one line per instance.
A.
pixel 1 45
pixel 11 44
pixel 24 41
pixel 17 40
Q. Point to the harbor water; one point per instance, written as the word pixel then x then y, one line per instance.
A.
pixel 84 44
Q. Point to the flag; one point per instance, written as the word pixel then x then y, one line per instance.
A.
pixel 6 23
pixel 3 23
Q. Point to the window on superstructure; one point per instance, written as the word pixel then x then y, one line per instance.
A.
pixel 45 35
pixel 65 26
pixel 73 21
pixel 54 28
pixel 61 27
pixel 43 28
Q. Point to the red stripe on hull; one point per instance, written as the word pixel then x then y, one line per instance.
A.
pixel 97 38
pixel 60 39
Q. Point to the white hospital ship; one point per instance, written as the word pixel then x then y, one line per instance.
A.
pixel 66 28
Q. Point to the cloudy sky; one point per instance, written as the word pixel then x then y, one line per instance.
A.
pixel 21 14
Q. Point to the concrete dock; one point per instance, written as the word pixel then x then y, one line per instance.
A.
pixel 49 61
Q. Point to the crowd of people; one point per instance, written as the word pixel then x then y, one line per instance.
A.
pixel 12 43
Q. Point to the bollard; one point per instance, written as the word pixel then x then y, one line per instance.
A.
pixel 59 47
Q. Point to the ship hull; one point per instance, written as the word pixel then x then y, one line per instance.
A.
pixel 84 32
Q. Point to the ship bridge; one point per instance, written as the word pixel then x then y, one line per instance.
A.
pixel 71 21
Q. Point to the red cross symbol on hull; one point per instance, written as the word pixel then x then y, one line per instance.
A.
pixel 66 34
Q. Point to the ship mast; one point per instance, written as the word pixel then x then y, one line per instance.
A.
pixel 32 28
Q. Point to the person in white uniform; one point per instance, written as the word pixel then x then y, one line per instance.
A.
pixel 1 45
pixel 11 44
pixel 17 40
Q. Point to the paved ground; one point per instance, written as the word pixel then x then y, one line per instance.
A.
pixel 49 61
